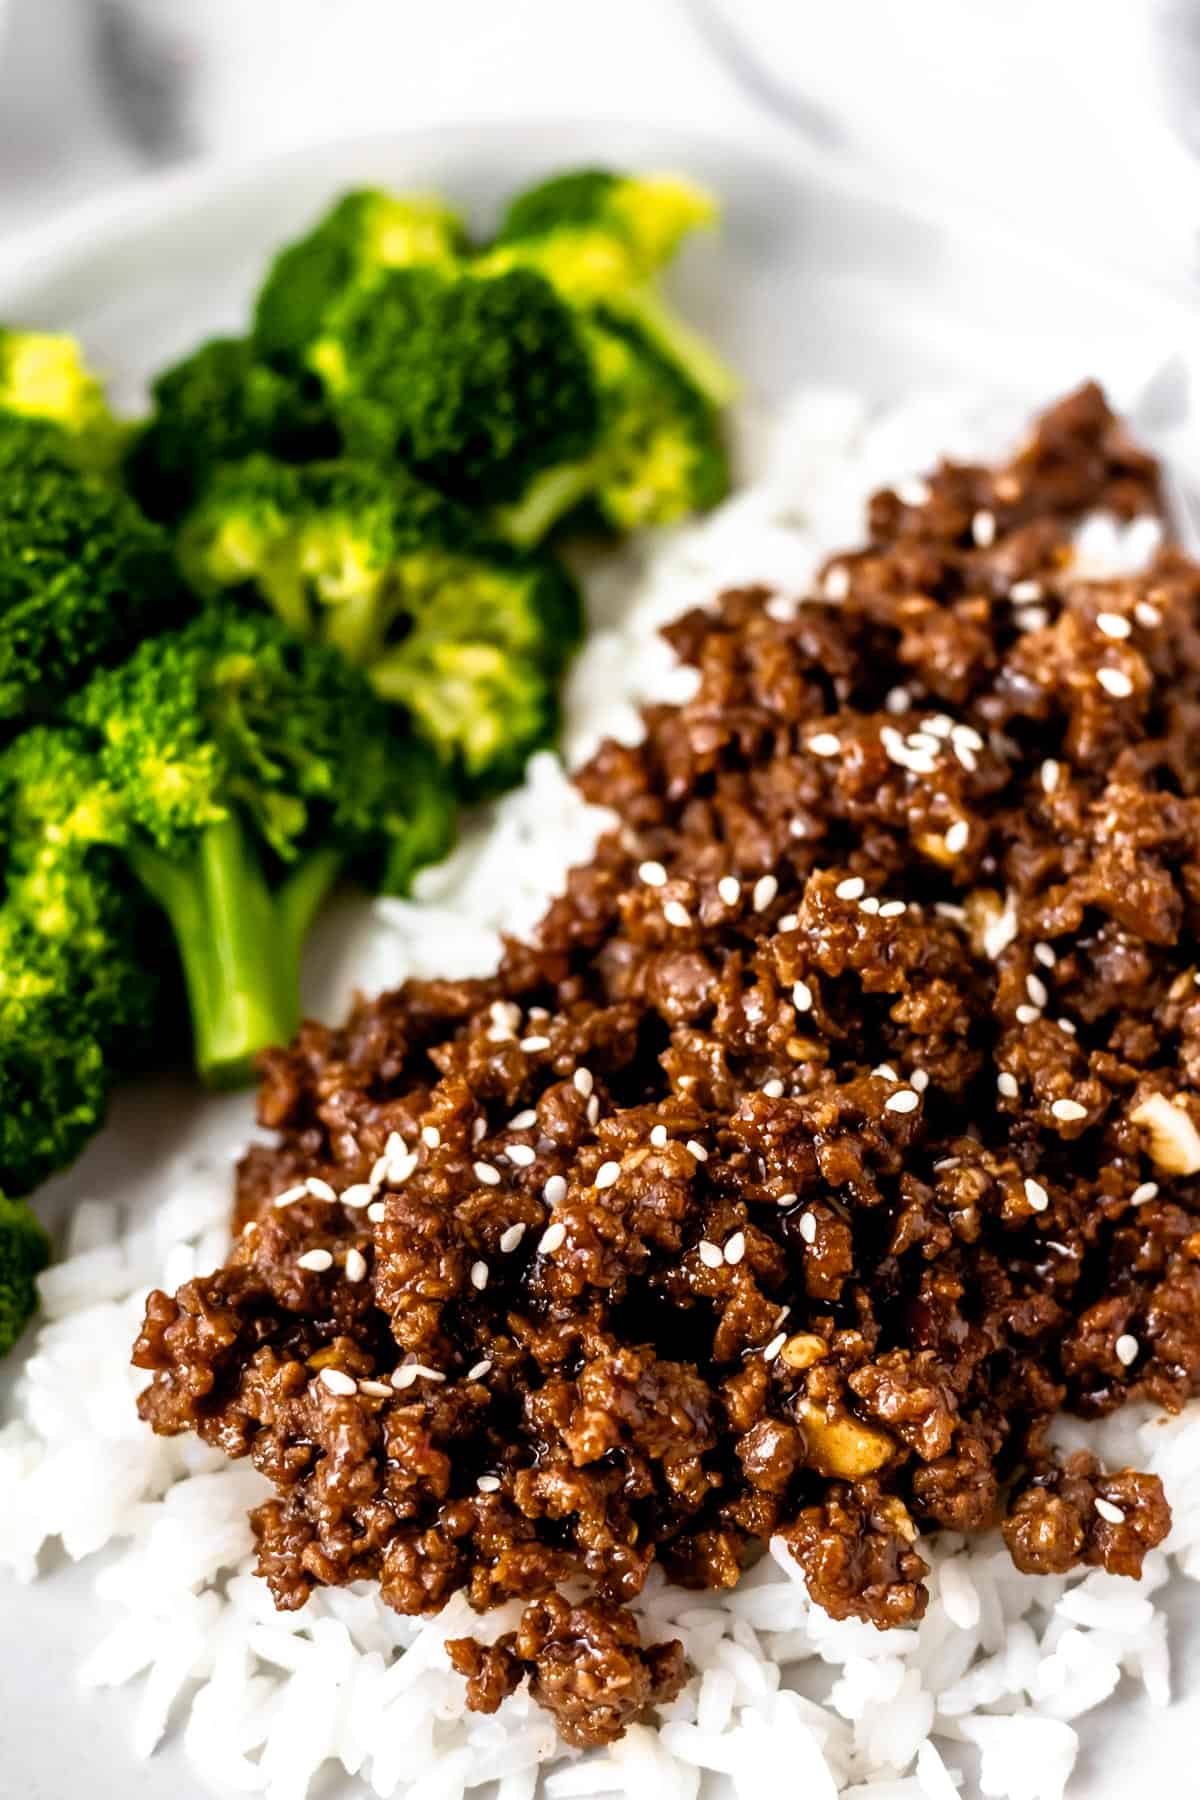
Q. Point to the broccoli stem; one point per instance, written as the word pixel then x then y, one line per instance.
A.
pixel 685 347
pixel 239 944
pixel 546 499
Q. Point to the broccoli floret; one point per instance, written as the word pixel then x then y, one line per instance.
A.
pixel 24 1253
pixel 217 405
pixel 83 575
pixel 249 769
pixel 601 238
pixel 465 632
pixel 480 385
pixel 43 376
pixel 365 233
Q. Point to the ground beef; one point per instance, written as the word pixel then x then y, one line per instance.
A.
pixel 838 1127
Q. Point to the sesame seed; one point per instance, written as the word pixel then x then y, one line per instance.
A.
pixel 404 1376
pixel 1024 591
pixel 484 1172
pixel 478 1370
pixel 658 1136
pixel 825 744
pixel 852 888
pixel 523 1120
pixel 1049 775
pixel 552 1239
pixel 898 700
pixel 956 838
pixel 903 1102
pixel 1127 1348
pixel 697 1150
pixel 431 1137
pixel 583 1081
pixel 919 1079
pixel 735 1248
pixel 1113 625
pixel 1034 618
pixel 798 828
pixel 837 582
pixel 316 1260
pixel 788 922
pixel 356 1266
pixel 675 913
pixel 653 874
pixel 1068 1110
pixel 983 529
pixel 607 1175
pixel 1067 1025
pixel 488 1484
pixel 510 1239
pixel 710 1254
pixel 1147 1190
pixel 478 1130
pixel 870 904
pixel 1036 1194
pixel 1028 1015
pixel 892 909
pixel 532 1044
pixel 378 1390
pixel 377 1212
pixel 593 1109
pixel 966 757
pixel 290 1195
pixel 787 1200
pixel 337 1382
pixel 1112 1515
pixel 395 1146
pixel 771 1350
pixel 1115 682
pixel 1008 1085
pixel 1147 615
pixel 928 742
pixel 401 1167
pixel 802 997
pixel 1045 955
pixel 1035 987
pixel 320 1190
pixel 885 1072
pixel 505 1012
pixel 555 1190
pixel 966 734
pixel 773 1089
pixel 913 493
pixel 479 1276
pixel 729 889
pixel 808 1227
pixel 521 1155
pixel 765 890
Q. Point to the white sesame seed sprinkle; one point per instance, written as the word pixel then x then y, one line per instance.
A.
pixel 401 1167
pixel 697 1150
pixel 913 492
pixel 729 890
pixel 1113 625
pixel 802 997
pixel 771 1350
pixel 1112 1515
pixel 338 1382
pixel 825 744
pixel 488 1484
pixel 607 1175
pixel 593 1109
pixel 956 838
pixel 379 1170
pixel 1067 1025
pixel 1147 615
pixel 552 1239
pixel 1028 1014
pixel 948 1162
pixel 1146 1190
pixel 870 904
pixel 377 1212
pixel 1036 1194
pixel 710 1254
pixel 320 1190
pixel 290 1195
pixel 1068 1110
pixel 315 1260
pixel 852 888
pixel 431 1137
pixel 1115 682
pixel 478 1370
pixel 788 922
pixel 1127 1348
pixel 583 1081
pixel 919 1079
pixel 521 1155
pixel 787 1200
pixel 531 1045
pixel 510 1239
pixel 523 1120
pixel 1035 987
pixel 555 1190
pixel 1008 1085
pixel 735 1248
pixel 479 1276
pixel 489 1176
pixel 837 582
pixel 1050 774
pixel 378 1390
pixel 798 828
pixel 885 1072
pixel 983 529
pixel 356 1266
pixel 928 742
pixel 905 1101
pixel 1024 591
pixel 676 913
pixel 404 1376
pixel 898 700
pixel 892 909
pixel 658 1136
pixel 653 874
pixel 808 1227
pixel 1045 955
pixel 773 1089
pixel 478 1130
pixel 765 890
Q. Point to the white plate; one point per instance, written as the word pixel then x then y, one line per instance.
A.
pixel 814 278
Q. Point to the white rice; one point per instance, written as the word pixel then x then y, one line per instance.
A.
pixel 989 1683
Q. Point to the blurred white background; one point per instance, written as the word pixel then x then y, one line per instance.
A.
pixel 1068 118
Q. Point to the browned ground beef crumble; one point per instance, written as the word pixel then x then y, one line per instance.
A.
pixel 838 1128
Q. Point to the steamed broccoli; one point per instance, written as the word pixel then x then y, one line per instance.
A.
pixel 601 238
pixel 219 404
pixel 365 233
pixel 481 386
pixel 465 632
pixel 43 376
pixel 24 1253
pixel 246 769
pixel 83 574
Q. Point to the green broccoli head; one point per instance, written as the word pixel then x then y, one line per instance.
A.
pixel 365 233
pixel 83 575
pixel 43 376
pixel 217 405
pixel 465 632
pixel 480 386
pixel 24 1253
pixel 249 768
